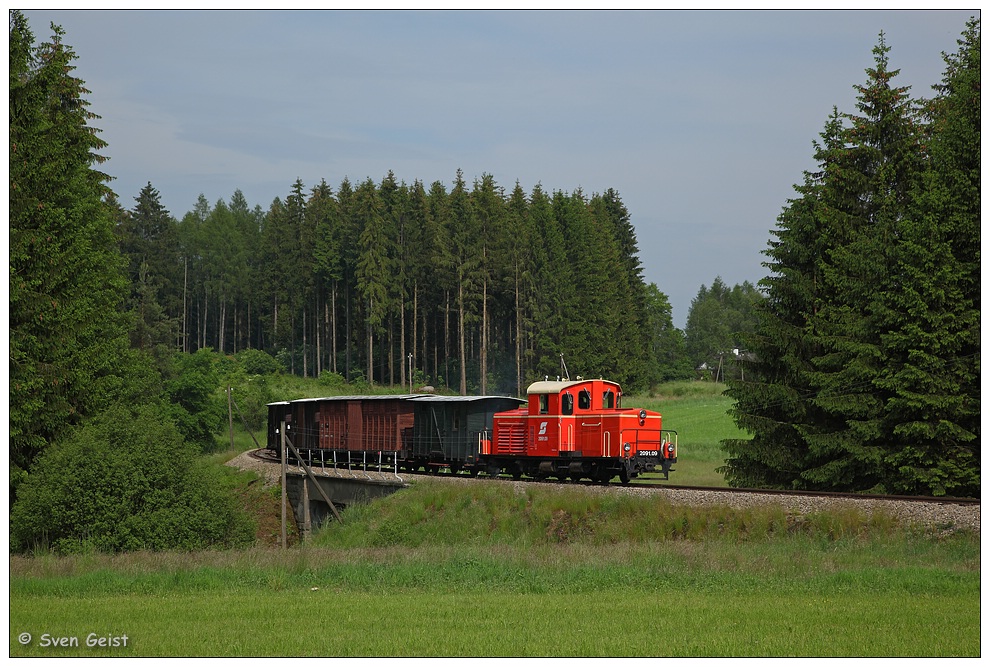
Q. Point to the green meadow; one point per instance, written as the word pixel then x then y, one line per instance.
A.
pixel 698 412
pixel 483 569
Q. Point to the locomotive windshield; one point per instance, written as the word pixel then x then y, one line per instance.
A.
pixel 584 400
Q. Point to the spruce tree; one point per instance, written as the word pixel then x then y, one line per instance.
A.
pixel 929 313
pixel 880 160
pixel 463 234
pixel 68 333
pixel 772 403
pixel 372 264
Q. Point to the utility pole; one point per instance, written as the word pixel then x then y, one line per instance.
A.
pixel 230 416
pixel 410 373
pixel 284 499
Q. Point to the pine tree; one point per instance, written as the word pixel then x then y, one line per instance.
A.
pixel 488 212
pixel 372 264
pixel 463 235
pixel 929 312
pixel 149 240
pixel 68 333
pixel 882 159
pixel 772 402
pixel 328 269
pixel 520 238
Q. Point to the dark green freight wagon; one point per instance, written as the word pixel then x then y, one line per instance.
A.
pixel 451 431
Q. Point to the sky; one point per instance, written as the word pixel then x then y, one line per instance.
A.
pixel 702 120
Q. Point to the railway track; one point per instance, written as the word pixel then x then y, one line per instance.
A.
pixel 644 484
pixel 943 500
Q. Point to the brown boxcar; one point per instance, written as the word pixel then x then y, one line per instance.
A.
pixel 343 424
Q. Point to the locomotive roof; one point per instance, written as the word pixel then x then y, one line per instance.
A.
pixel 557 386
pixel 455 399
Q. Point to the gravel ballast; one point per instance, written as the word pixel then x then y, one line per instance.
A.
pixel 936 515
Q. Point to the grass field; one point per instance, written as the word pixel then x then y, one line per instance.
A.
pixel 699 413
pixel 481 570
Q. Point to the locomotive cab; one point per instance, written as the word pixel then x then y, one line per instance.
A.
pixel 578 429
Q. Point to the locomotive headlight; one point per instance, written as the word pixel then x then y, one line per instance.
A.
pixel 627 448
pixel 642 417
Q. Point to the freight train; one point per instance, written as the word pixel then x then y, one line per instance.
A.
pixel 565 429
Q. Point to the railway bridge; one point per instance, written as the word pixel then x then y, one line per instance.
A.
pixel 311 493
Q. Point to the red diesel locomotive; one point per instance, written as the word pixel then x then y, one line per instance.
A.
pixel 578 429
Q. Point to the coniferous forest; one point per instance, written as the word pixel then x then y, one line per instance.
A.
pixel 854 365
pixel 468 287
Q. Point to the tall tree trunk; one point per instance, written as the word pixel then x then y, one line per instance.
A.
pixel 402 344
pixel 275 321
pixel 391 350
pixel 333 329
pixel 185 307
pixel 205 318
pixel 347 332
pixel 415 324
pixel 446 339
pixel 371 347
pixel 221 338
pixel 484 338
pixel 518 339
pixel 460 323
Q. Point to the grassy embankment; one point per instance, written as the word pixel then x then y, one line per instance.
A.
pixel 479 569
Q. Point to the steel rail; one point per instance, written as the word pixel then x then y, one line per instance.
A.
pixel 267 456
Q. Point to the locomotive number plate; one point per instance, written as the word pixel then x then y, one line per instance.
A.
pixel 648 452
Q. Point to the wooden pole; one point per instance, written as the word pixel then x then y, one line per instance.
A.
pixel 230 415
pixel 309 472
pixel 284 544
pixel 246 427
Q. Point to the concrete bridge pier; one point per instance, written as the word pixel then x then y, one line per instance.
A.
pixel 342 487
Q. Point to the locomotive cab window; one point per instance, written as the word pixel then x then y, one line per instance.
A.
pixel 567 404
pixel 584 400
pixel 608 400
pixel 544 404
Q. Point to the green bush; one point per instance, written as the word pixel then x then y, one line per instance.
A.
pixel 258 362
pixel 126 481
pixel 251 397
pixel 332 380
pixel 196 401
